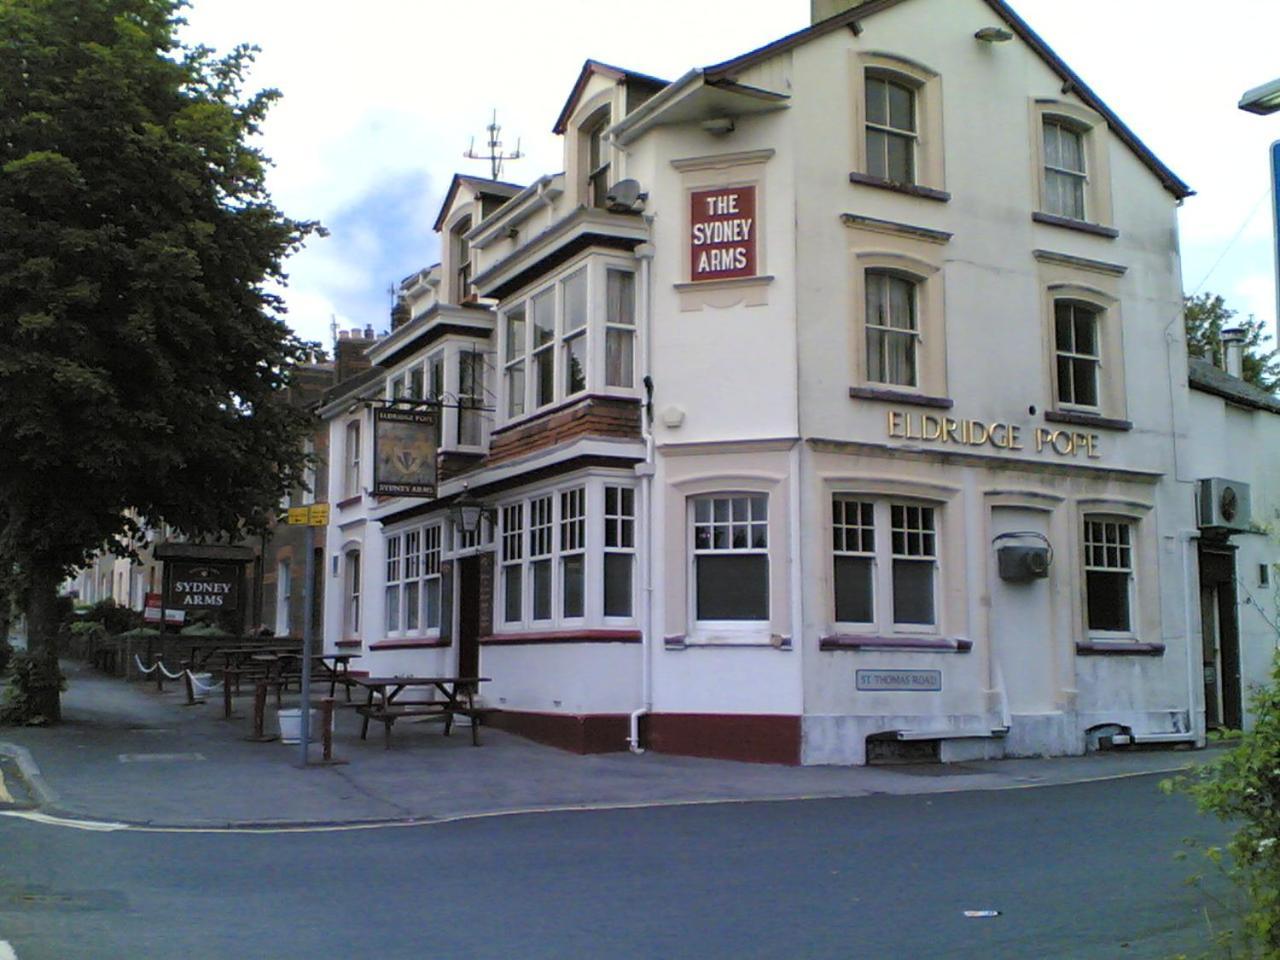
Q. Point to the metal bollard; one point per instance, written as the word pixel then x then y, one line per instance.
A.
pixel 326 725
pixel 259 708
pixel 191 689
pixel 157 666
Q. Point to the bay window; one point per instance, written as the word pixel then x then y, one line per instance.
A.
pixel 567 557
pixel 575 334
pixel 470 397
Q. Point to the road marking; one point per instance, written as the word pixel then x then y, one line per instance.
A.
pixel 158 757
pixel 5 797
pixel 108 826
pixel 6 951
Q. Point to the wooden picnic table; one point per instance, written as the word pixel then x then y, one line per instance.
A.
pixel 382 704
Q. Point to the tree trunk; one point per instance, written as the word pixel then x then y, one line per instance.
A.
pixel 42 635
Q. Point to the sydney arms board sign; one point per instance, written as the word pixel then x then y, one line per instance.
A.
pixel 722 233
pixel 197 585
pixel 404 452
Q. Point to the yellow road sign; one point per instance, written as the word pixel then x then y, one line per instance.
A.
pixel 319 515
pixel 298 515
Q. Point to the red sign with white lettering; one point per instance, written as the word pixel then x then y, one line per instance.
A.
pixel 722 240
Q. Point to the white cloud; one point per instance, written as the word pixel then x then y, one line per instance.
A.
pixel 397 86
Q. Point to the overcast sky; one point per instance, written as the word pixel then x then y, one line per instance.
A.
pixel 381 99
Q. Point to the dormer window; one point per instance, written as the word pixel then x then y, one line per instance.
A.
pixel 461 259
pixel 597 158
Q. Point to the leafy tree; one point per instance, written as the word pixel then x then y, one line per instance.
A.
pixel 1207 315
pixel 142 350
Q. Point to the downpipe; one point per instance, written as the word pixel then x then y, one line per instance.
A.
pixel 645 254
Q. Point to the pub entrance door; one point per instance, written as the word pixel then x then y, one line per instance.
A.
pixel 469 616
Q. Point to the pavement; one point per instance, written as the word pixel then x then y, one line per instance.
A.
pixel 127 755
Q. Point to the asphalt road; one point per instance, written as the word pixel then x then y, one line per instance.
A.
pixel 1079 871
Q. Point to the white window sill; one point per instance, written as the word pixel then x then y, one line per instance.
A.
pixel 728 639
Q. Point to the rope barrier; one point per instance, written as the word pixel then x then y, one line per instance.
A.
pixel 165 671
pixel 200 687
pixel 145 670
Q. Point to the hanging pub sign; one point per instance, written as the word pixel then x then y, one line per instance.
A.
pixel 722 233
pixel 404 452
pixel 197 585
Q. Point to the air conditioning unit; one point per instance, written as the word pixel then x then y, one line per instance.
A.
pixel 625 196
pixel 1225 504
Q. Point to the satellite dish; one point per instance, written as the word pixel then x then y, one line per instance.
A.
pixel 625 196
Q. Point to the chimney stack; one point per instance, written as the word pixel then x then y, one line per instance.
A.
pixel 1233 350
pixel 349 357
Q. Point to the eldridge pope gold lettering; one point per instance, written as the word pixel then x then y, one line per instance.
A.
pixel 931 428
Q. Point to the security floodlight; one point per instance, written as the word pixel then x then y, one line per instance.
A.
pixel 1264 99
pixel 993 35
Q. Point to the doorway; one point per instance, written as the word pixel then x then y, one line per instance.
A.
pixel 469 616
pixel 1223 696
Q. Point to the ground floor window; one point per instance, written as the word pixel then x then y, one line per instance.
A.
pixel 731 558
pixel 1108 566
pixel 567 557
pixel 885 563
pixel 412 605
pixel 351 605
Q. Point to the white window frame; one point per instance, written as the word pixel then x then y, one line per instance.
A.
pixel 754 524
pixel 883 548
pixel 909 135
pixel 351 460
pixel 471 399
pixel 351 585
pixel 573 525
pixel 1072 355
pixel 619 541
pixel 284 595
pixel 884 325
pixel 1107 557
pixel 520 397
pixel 1057 172
pixel 619 331
pixel 416 553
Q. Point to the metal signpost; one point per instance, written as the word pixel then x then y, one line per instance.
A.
pixel 315 515
pixel 1275 217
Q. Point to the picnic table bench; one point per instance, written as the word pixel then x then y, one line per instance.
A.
pixel 381 704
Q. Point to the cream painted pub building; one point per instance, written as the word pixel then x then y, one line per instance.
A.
pixel 827 407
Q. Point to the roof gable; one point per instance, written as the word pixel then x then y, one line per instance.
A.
pixel 480 185
pixel 1071 81
pixel 592 68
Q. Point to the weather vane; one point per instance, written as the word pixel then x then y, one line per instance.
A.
pixel 495 156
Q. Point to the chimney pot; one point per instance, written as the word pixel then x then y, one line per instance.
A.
pixel 1233 350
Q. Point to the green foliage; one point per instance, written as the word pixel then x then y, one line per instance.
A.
pixel 1206 315
pixel 1242 788
pixel 143 351
pixel 6 655
pixel 113 617
pixel 29 676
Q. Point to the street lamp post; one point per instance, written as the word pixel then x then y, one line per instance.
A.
pixel 1265 100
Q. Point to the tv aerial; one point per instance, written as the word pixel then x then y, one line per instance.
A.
pixel 495 156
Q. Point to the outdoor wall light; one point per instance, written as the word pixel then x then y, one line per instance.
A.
pixel 466 513
pixel 993 35
pixel 718 125
pixel 1264 99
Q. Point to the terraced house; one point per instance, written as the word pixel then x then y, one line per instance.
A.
pixel 825 408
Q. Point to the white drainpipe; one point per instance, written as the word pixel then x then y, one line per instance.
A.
pixel 644 253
